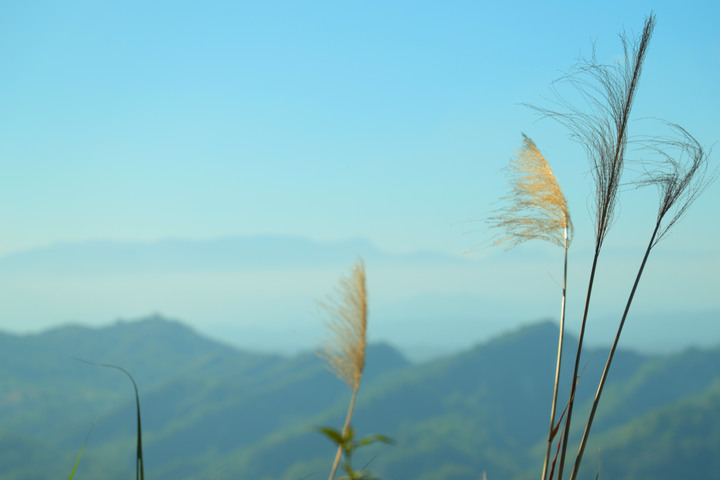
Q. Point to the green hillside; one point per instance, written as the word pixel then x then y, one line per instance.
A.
pixel 675 441
pixel 208 407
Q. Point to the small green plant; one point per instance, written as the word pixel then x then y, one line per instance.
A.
pixel 348 444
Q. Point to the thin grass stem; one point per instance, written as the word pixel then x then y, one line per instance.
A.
pixel 553 431
pixel 573 387
pixel 606 142
pixel 586 434
pixel 338 455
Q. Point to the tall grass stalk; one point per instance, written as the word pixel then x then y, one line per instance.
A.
pixel 553 428
pixel 537 209
pixel 610 91
pixel 344 351
pixel 679 183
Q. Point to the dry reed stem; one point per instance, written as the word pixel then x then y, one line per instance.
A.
pixel 680 181
pixel 610 91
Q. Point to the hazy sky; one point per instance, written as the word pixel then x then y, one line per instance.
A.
pixel 327 120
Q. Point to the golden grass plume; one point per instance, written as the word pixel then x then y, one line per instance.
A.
pixel 346 319
pixel 536 207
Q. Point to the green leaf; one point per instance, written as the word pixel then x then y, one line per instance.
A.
pixel 375 438
pixel 332 434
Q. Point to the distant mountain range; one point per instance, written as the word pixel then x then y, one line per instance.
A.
pixel 259 292
pixel 218 255
pixel 208 408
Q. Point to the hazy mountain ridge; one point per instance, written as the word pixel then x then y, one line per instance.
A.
pixel 208 406
pixel 184 255
pixel 258 291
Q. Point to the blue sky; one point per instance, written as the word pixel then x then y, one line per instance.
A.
pixel 141 121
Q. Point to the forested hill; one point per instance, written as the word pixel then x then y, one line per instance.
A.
pixel 208 407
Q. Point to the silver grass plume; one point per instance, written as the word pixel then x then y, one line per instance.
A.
pixel 602 129
pixel 536 207
pixel 345 349
pixel 346 321
pixel 680 175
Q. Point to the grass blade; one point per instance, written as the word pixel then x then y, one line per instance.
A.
pixel 77 461
pixel 139 464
